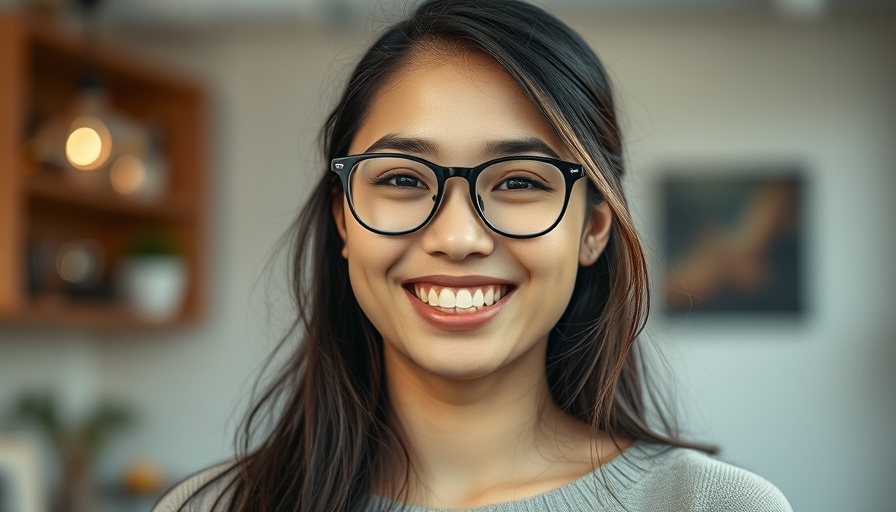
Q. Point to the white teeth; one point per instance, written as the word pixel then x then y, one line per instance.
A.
pixel 461 298
pixel 464 299
pixel 478 301
pixel 446 299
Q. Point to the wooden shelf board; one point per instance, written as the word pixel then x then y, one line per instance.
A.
pixel 59 311
pixel 56 191
pixel 60 39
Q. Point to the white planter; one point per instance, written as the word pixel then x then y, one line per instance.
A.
pixel 154 286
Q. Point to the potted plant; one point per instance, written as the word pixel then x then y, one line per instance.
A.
pixel 153 276
pixel 77 444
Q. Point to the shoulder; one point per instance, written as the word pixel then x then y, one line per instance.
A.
pixel 198 492
pixel 692 480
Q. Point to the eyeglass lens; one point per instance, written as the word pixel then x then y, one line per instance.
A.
pixel 517 197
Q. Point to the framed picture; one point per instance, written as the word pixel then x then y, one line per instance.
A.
pixel 20 480
pixel 733 241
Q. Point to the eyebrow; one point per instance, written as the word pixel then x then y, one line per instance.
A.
pixel 518 146
pixel 495 147
pixel 409 144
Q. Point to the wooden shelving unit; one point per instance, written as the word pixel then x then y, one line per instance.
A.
pixel 48 189
pixel 41 66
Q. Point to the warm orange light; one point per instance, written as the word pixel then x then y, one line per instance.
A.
pixel 127 174
pixel 89 143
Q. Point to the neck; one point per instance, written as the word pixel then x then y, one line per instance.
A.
pixel 477 436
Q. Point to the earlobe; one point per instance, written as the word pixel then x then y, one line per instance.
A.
pixel 339 219
pixel 595 235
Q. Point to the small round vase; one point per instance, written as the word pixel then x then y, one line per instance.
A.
pixel 154 286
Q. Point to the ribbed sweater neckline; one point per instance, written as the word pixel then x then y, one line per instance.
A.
pixel 615 477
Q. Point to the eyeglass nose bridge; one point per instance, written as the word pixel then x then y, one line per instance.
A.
pixel 458 172
pixel 468 173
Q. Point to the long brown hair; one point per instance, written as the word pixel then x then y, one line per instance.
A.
pixel 322 437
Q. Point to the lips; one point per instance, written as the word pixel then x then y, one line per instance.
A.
pixel 458 303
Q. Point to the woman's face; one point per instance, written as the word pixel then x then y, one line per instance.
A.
pixel 459 107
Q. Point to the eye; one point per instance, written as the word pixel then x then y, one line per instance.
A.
pixel 400 180
pixel 521 183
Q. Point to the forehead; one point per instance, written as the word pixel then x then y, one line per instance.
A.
pixel 460 101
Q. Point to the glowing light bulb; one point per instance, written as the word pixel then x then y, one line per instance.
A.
pixel 128 174
pixel 89 143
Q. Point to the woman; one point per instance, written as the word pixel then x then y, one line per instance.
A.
pixel 470 288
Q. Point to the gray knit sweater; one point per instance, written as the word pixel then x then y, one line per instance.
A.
pixel 646 477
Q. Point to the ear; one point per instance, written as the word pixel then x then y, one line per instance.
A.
pixel 338 206
pixel 596 234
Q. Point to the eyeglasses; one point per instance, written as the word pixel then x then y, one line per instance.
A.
pixel 517 196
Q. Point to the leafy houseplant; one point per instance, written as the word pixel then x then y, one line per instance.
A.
pixel 154 276
pixel 78 446
pixel 153 243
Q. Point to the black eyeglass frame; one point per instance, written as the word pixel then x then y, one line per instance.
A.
pixel 344 166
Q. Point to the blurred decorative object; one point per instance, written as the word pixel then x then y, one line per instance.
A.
pixel 128 174
pixel 80 263
pixel 733 241
pixel 144 477
pixel 77 445
pixel 67 268
pixel 89 134
pixel 142 175
pixel 61 88
pixel 89 142
pixel 89 138
pixel 139 487
pixel 154 277
pixel 99 145
pixel 20 483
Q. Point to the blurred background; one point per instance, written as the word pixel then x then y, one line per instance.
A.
pixel 220 103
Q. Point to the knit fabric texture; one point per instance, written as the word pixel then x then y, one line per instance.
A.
pixel 645 477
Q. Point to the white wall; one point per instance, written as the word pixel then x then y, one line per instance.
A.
pixel 808 403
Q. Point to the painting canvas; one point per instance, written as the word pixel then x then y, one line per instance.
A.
pixel 733 241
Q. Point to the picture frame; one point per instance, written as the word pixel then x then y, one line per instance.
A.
pixel 20 477
pixel 732 240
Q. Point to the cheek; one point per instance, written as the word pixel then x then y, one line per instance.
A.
pixel 553 260
pixel 552 267
pixel 370 259
pixel 368 249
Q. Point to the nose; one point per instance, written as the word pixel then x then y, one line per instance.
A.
pixel 456 230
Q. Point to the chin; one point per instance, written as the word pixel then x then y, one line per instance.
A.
pixel 464 364
pixel 465 357
pixel 454 371
pixel 451 362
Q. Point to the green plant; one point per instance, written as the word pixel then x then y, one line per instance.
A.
pixel 41 411
pixel 76 445
pixel 153 243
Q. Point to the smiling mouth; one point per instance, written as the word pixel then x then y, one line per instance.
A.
pixel 459 300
